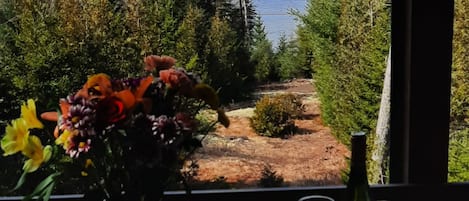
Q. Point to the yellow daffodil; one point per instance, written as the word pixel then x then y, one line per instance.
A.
pixel 36 153
pixel 16 137
pixel 28 112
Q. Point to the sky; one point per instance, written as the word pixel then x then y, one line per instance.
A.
pixel 276 18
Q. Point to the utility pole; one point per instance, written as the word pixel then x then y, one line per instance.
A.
pixel 245 9
pixel 244 14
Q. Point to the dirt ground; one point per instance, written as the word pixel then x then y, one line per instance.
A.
pixel 237 155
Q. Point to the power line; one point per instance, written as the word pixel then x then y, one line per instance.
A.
pixel 273 14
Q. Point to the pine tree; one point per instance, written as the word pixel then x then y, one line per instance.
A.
pixel 220 51
pixel 458 158
pixel 288 56
pixel 364 38
pixel 262 53
pixel 318 35
pixel 348 41
pixel 244 19
pixel 37 49
pixel 8 99
pixel 191 38
pixel 240 15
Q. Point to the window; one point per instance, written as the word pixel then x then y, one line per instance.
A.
pixel 421 43
pixel 421 77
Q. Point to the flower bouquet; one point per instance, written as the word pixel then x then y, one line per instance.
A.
pixel 124 138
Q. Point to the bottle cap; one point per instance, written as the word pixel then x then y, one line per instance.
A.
pixel 360 133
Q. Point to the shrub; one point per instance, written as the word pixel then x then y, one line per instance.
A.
pixel 458 156
pixel 274 115
pixel 270 178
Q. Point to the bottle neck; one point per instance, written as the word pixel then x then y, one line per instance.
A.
pixel 358 161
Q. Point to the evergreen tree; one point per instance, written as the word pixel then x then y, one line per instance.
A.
pixel 220 51
pixel 348 41
pixel 36 49
pixel 8 102
pixel 262 53
pixel 208 5
pixel 49 48
pixel 362 46
pixel 288 62
pixel 282 44
pixel 163 24
pixel 290 65
pixel 317 34
pixel 364 38
pixel 458 159
pixel 191 38
pixel 244 19
pixel 239 15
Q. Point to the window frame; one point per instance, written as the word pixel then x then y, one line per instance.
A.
pixel 420 82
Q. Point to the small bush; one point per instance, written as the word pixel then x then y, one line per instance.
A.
pixel 205 120
pixel 458 156
pixel 274 115
pixel 270 178
pixel 219 182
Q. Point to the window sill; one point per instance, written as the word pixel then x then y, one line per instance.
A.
pixel 392 192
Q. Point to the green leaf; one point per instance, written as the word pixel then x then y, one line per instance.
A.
pixel 20 181
pixel 42 188
pixel 47 192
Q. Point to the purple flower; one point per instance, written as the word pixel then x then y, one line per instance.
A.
pixel 81 116
pixel 165 129
pixel 128 83
pixel 78 145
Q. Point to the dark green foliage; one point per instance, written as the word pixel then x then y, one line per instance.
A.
pixel 274 115
pixel 221 69
pixel 189 45
pixel 262 57
pixel 460 76
pixel 290 62
pixel 348 42
pixel 317 35
pixel 270 178
pixel 49 48
pixel 262 53
pixel 9 106
pixel 240 16
pixel 362 49
pixel 458 158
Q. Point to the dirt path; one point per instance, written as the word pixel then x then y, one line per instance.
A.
pixel 238 155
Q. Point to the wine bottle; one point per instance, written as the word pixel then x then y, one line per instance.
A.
pixel 357 185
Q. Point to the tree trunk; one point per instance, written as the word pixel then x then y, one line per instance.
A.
pixel 380 155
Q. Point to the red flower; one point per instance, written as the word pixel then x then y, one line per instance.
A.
pixel 185 121
pixel 177 80
pixel 154 62
pixel 110 110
